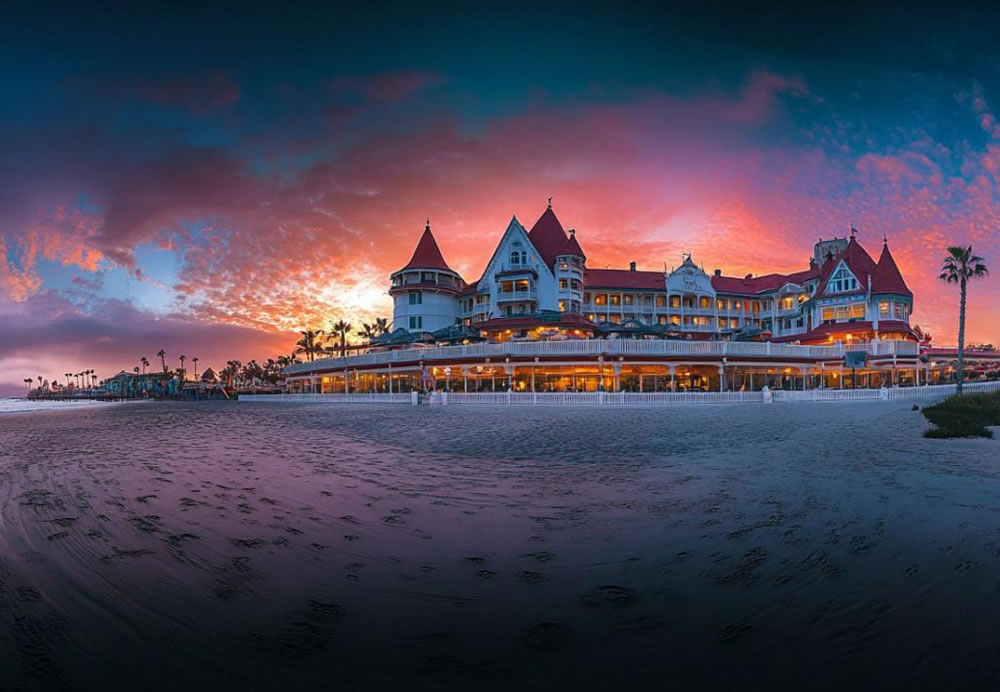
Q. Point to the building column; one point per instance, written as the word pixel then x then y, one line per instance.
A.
pixel 390 379
pixel 616 368
pixel 673 380
pixel 722 378
pixel 347 382
pixel 465 379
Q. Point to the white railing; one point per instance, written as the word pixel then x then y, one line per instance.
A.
pixel 354 398
pixel 924 392
pixel 603 398
pixel 609 347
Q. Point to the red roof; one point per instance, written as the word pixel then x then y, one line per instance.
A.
pixel 760 284
pixel 860 327
pixel 886 278
pixel 624 278
pixel 427 255
pixel 549 238
pixel 857 260
pixel 573 247
pixel 566 319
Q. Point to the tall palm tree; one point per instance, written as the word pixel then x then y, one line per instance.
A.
pixel 960 265
pixel 368 331
pixel 195 361
pixel 162 355
pixel 310 342
pixel 343 329
pixel 144 363
pixel 182 358
pixel 27 383
pixel 68 375
pixel 382 325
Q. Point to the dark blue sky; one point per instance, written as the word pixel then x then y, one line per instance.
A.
pixel 238 168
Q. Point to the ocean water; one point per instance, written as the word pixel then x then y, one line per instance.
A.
pixel 12 405
pixel 228 545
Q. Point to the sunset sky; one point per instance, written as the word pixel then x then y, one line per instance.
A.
pixel 209 182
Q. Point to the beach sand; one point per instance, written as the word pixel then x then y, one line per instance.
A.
pixel 244 546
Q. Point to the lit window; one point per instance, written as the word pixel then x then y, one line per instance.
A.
pixel 883 307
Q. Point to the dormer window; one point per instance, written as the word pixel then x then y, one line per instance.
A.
pixel 518 259
pixel 842 281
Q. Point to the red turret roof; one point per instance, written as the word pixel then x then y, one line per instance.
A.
pixel 549 238
pixel 573 247
pixel 427 255
pixel 886 278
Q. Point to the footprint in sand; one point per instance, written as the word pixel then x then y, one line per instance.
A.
pixel 541 556
pixel 734 631
pixel 617 596
pixel 486 574
pixel 532 577
pixel 549 635
pixel 58 536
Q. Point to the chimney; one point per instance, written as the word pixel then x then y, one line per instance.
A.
pixel 748 277
pixel 718 272
pixel 631 266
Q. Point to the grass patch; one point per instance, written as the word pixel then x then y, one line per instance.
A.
pixel 964 416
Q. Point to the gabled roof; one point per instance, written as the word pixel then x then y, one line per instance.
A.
pixel 550 239
pixel 760 284
pixel 857 260
pixel 886 278
pixel 428 254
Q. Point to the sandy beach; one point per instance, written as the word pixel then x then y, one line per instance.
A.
pixel 233 545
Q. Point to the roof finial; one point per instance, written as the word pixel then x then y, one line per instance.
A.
pixel 428 226
pixel 550 203
pixel 885 239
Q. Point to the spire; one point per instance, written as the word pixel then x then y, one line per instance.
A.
pixel 550 203
pixel 427 255
pixel 886 278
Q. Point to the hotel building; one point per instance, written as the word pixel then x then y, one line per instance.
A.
pixel 539 319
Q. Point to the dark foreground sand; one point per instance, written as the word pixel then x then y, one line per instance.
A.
pixel 254 546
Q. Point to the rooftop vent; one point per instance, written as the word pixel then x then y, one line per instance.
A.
pixel 718 272
pixel 631 266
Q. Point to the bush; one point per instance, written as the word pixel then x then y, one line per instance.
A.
pixel 964 416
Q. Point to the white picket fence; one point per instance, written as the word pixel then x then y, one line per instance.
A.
pixel 339 398
pixel 923 393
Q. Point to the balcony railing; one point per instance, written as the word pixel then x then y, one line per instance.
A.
pixel 529 294
pixel 611 348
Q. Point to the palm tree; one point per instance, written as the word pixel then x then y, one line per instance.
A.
pixel 182 358
pixel 368 331
pixel 343 329
pixel 309 344
pixel 382 325
pixel 960 265
pixel 27 384
pixel 195 361
pixel 145 364
pixel 162 355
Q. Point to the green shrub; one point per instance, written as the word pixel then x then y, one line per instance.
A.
pixel 964 416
